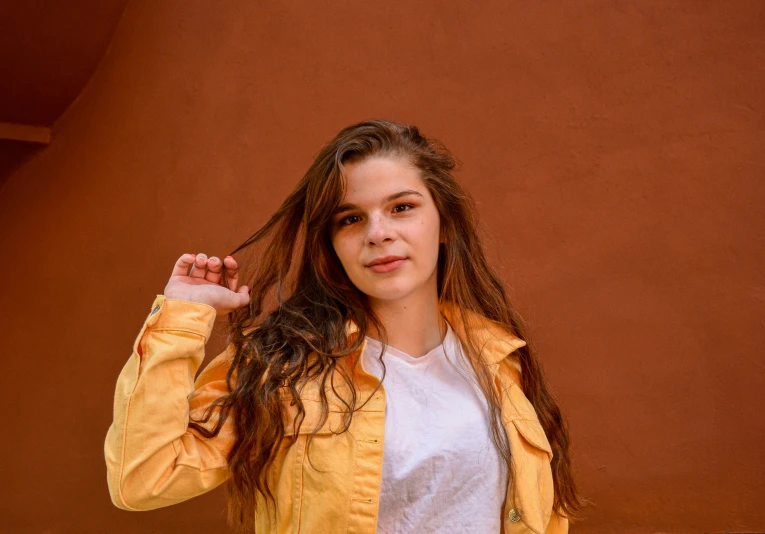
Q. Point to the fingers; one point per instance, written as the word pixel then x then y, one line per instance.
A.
pixel 199 266
pixel 214 269
pixel 232 272
pixel 181 267
pixel 210 269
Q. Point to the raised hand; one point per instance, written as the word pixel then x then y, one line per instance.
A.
pixel 203 283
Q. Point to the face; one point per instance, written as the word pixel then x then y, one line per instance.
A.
pixel 387 214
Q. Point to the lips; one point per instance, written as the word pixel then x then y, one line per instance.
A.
pixel 384 259
pixel 386 264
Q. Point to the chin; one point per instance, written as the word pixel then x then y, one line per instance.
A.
pixel 393 291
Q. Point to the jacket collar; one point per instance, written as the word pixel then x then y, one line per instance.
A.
pixel 494 339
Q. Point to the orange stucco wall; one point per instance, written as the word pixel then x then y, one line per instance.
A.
pixel 615 150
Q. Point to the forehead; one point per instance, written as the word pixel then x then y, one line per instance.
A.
pixel 380 176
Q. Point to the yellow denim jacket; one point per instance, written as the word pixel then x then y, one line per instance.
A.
pixel 153 459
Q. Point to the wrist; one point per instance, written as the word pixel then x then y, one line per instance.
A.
pixel 185 297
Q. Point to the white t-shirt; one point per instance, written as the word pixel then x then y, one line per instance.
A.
pixel 441 472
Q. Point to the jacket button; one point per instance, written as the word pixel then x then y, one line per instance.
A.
pixel 155 310
pixel 515 515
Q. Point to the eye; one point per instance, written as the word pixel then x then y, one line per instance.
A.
pixel 350 219
pixel 344 221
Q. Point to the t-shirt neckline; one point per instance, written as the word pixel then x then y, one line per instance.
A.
pixel 393 351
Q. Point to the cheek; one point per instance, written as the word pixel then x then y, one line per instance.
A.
pixel 343 250
pixel 430 230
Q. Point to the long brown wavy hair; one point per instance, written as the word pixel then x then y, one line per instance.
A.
pixel 302 337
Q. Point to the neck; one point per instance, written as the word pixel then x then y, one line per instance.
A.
pixel 414 325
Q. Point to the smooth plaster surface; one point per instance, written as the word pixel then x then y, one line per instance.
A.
pixel 615 150
pixel 48 52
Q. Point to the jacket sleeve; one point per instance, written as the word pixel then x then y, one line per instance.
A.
pixel 153 458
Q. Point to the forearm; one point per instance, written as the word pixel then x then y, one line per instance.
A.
pixel 152 458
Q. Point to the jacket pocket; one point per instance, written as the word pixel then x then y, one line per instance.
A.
pixel 530 499
pixel 518 409
pixel 312 420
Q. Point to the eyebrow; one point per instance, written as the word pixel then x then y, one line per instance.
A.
pixel 348 207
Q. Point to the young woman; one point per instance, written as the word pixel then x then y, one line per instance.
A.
pixel 387 388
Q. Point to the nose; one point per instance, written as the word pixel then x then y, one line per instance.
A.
pixel 378 230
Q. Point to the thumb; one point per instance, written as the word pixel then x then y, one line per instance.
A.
pixel 245 292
